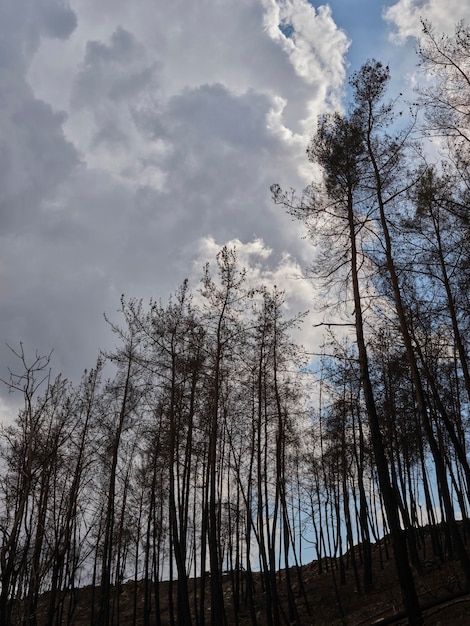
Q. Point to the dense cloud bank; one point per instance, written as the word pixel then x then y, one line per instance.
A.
pixel 133 135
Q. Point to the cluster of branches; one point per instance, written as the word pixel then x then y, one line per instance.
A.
pixel 196 454
pixel 392 234
pixel 175 468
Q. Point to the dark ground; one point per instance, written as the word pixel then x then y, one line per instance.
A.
pixel 438 584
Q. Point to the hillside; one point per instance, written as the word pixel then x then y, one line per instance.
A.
pixel 322 602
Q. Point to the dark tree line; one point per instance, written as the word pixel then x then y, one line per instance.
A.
pixel 202 454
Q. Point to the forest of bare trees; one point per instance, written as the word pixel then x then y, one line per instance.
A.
pixel 207 448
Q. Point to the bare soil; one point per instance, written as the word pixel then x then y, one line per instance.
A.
pixel 324 601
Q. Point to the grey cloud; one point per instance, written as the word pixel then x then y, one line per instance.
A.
pixel 34 158
pixel 57 306
pixel 112 72
pixel 123 49
pixel 113 79
pixel 24 22
pixel 216 114
pixel 58 20
pixel 103 237
pixel 110 132
pixel 219 161
pixel 58 279
pixel 182 94
pixel 220 164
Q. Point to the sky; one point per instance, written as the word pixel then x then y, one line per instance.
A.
pixel 137 138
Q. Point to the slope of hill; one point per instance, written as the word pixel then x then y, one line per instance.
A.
pixel 321 600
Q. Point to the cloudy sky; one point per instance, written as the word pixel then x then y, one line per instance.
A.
pixel 138 137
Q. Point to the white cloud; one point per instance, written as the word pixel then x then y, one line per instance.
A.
pixel 310 37
pixel 265 267
pixel 314 45
pixel 406 16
